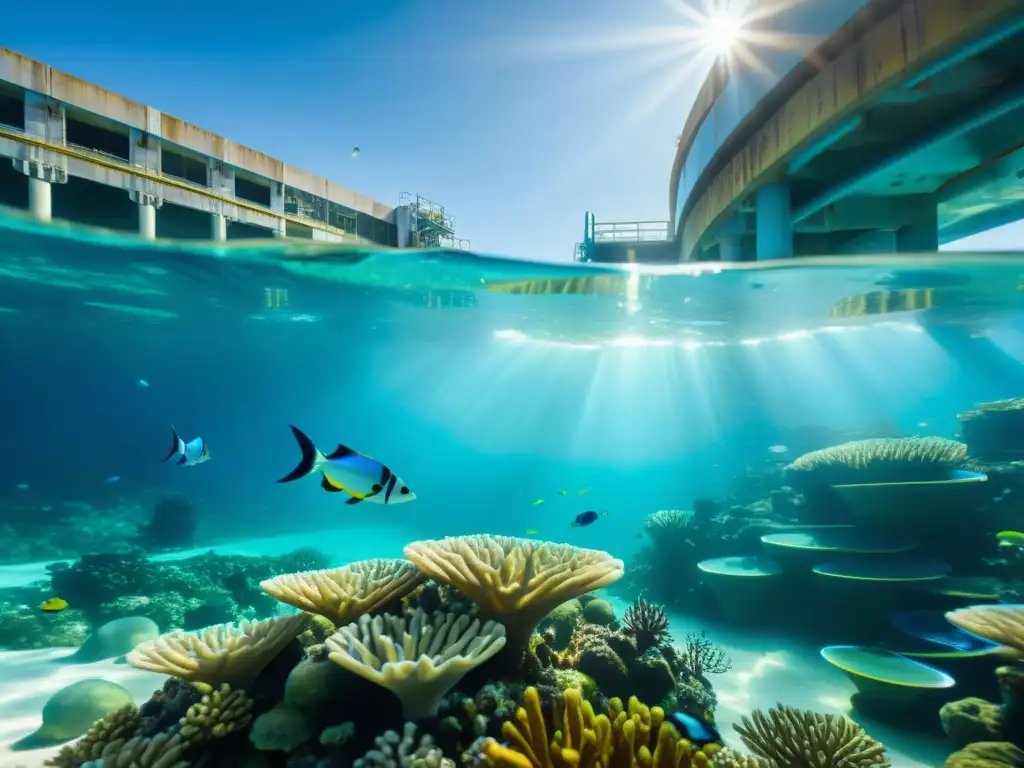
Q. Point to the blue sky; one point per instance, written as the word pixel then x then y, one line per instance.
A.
pixel 517 117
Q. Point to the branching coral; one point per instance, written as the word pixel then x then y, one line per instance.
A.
pixel 647 624
pixel 110 732
pixel 702 657
pixel 223 653
pixel 219 713
pixel 405 751
pixel 515 581
pixel 621 739
pixel 667 526
pixel 344 594
pixel 418 663
pixel 801 739
pixel 162 751
pixel 890 459
pixel 1003 624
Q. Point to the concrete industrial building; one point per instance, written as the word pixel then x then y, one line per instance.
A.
pixel 902 130
pixel 81 153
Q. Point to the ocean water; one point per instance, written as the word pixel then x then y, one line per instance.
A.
pixel 510 396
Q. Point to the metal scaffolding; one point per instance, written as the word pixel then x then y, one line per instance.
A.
pixel 431 226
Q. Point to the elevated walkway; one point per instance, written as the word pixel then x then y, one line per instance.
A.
pixel 625 242
pixel 904 130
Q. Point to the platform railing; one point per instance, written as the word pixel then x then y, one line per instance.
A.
pixel 631 232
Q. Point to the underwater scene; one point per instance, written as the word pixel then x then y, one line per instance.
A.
pixel 307 506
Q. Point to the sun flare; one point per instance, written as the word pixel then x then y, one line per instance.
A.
pixel 721 32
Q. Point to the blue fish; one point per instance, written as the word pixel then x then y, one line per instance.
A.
pixel 142 384
pixel 696 730
pixel 351 472
pixel 586 518
pixel 188 454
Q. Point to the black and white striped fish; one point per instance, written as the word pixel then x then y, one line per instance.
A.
pixel 195 451
pixel 351 472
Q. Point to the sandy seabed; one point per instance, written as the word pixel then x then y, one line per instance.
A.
pixel 766 669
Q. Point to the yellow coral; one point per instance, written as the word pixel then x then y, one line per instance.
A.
pixel 620 739
pixel 220 712
pixel 113 729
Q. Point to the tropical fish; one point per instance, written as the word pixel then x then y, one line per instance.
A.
pixel 538 502
pixel 195 451
pixel 778 448
pixel 142 384
pixel 563 493
pixel 53 605
pixel 356 151
pixel 1010 539
pixel 348 471
pixel 532 532
pixel 696 730
pixel 586 518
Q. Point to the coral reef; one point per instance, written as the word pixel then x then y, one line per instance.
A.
pixel 970 720
pixel 993 431
pixel 800 739
pixel 647 624
pixel 701 656
pixel 108 732
pixel 987 754
pixel 883 460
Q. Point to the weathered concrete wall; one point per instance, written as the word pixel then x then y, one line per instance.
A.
pixel 43 79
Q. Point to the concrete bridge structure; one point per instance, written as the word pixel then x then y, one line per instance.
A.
pixel 85 154
pixel 901 131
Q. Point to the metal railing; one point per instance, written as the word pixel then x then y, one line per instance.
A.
pixel 631 232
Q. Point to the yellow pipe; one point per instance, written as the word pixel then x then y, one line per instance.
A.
pixel 145 173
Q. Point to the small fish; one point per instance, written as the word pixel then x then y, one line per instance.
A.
pixel 538 502
pixel 113 480
pixel 532 532
pixel 696 730
pixel 1010 539
pixel 356 151
pixel 23 486
pixel 53 605
pixel 923 424
pixel 586 518
pixel 195 451
pixel 583 492
pixel 142 384
pixel 778 448
pixel 351 472
pixel 563 493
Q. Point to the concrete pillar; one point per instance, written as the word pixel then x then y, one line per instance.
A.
pixel 922 236
pixel 774 221
pixel 730 249
pixel 40 200
pixel 218 227
pixel 147 213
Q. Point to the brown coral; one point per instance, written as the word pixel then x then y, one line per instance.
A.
pixel 110 731
pixel 701 656
pixel 799 739
pixel 647 624
pixel 884 460
pixel 220 712
pixel 162 751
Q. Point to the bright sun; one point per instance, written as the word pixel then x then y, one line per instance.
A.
pixel 721 32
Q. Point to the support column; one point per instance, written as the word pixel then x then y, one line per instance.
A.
pixel 922 236
pixel 218 227
pixel 730 249
pixel 277 204
pixel 147 213
pixel 774 218
pixel 40 199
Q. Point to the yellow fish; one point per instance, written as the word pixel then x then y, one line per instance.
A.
pixel 53 605
pixel 532 532
pixel 538 501
pixel 1011 538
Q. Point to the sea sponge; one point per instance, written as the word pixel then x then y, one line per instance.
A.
pixel 223 653
pixel 116 638
pixel 801 739
pixel 418 665
pixel 622 739
pixel 987 754
pixel 314 687
pixel 282 729
pixel 73 710
pixel 969 720
pixel 884 460
pixel 219 713
pixel 600 612
pixel 1003 624
pixel 515 581
pixel 161 751
pixel 344 594
pixel 563 619
pixel 109 732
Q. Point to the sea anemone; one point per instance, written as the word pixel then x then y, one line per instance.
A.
pixel 647 624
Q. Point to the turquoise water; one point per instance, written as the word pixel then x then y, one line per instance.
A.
pixel 510 396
